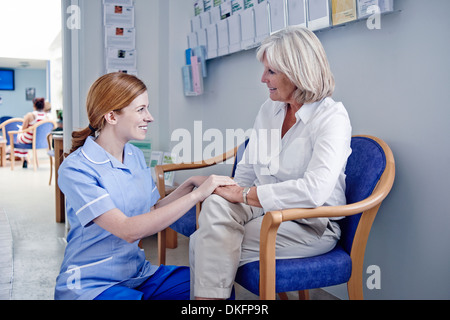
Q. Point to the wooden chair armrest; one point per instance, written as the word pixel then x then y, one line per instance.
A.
pixel 33 127
pixel 12 133
pixel 9 121
pixel 161 169
pixel 332 211
pixel 30 128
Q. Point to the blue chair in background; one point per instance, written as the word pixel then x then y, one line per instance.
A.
pixel 370 175
pixel 4 118
pixel 12 124
pixel 40 131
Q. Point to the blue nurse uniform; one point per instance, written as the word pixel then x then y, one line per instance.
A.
pixel 95 260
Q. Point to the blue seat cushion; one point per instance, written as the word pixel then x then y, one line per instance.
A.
pixel 23 146
pixel 186 225
pixel 325 270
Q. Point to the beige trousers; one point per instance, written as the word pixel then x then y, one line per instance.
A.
pixel 228 237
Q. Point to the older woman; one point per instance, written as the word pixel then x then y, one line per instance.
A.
pixel 295 158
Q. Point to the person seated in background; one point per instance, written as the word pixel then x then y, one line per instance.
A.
pixel 31 118
pixel 48 110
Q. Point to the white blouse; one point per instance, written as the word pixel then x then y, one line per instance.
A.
pixel 305 168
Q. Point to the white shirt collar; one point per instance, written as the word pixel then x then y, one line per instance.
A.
pixel 304 113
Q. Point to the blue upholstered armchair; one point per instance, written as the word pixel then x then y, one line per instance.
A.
pixel 370 175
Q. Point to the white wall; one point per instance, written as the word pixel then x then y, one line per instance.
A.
pixel 394 83
pixel 84 58
pixel 14 102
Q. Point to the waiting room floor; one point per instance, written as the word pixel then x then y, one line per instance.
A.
pixel 32 244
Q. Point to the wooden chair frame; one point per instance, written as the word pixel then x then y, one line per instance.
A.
pixel 50 148
pixel 33 129
pixel 272 220
pixel 161 169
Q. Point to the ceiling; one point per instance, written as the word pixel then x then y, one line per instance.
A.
pixel 14 63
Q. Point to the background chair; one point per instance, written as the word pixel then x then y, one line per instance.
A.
pixel 51 155
pixel 370 175
pixel 12 124
pixel 40 131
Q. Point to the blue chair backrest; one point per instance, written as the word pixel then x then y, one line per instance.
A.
pixel 13 126
pixel 3 119
pixel 41 135
pixel 364 168
pixel 238 157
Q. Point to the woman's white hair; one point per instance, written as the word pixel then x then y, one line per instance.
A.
pixel 298 53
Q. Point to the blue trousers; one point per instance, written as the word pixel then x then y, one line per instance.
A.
pixel 167 283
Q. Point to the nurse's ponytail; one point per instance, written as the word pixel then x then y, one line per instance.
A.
pixel 79 138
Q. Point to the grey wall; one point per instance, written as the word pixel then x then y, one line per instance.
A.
pixel 394 83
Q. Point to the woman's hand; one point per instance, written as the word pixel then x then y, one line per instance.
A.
pixel 231 193
pixel 234 194
pixel 211 183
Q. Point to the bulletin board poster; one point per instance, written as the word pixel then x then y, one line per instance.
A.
pixel 198 7
pixel 343 11
pixel 249 3
pixel 207 4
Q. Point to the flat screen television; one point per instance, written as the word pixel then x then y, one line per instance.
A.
pixel 6 79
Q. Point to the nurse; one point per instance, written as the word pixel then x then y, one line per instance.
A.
pixel 112 202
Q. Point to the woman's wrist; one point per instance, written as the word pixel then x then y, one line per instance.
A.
pixel 196 181
pixel 245 192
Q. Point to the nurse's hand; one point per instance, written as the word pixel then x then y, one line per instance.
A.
pixel 211 183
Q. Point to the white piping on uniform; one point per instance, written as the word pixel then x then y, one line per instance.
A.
pixel 88 265
pixel 92 202
pixel 95 162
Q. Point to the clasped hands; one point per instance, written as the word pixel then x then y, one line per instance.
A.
pixel 223 186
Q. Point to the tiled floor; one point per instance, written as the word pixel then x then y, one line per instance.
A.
pixel 34 254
